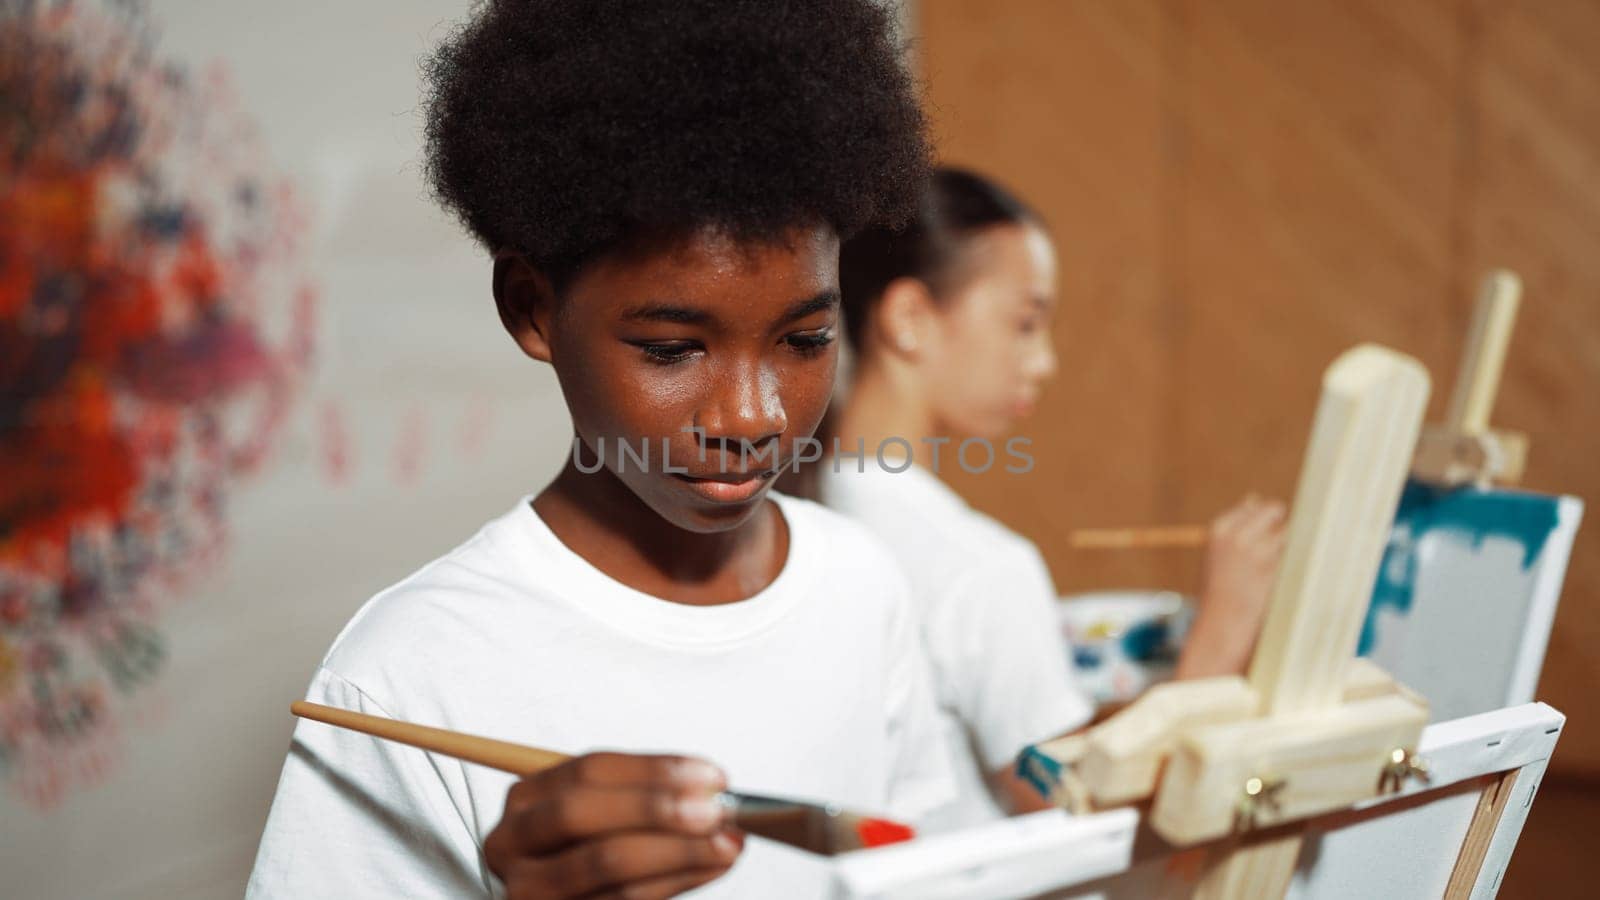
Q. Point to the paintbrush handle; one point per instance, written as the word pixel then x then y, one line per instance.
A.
pixel 518 759
pixel 1139 538
pixel 819 829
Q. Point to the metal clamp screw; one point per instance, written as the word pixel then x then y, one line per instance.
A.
pixel 1260 795
pixel 1402 764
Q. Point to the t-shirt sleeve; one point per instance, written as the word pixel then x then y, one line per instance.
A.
pixel 1014 683
pixel 923 778
pixel 355 816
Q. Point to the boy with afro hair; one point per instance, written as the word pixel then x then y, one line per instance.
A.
pixel 663 186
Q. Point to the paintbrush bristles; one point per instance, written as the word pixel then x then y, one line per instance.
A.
pixel 826 830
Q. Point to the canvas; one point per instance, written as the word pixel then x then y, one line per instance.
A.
pixel 1464 600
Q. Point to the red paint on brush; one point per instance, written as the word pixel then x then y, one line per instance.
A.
pixel 877 832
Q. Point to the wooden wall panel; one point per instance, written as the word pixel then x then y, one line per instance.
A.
pixel 1241 189
pixel 1093 159
pixel 1536 206
pixel 1314 218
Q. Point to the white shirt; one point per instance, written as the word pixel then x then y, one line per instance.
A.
pixel 987 606
pixel 814 688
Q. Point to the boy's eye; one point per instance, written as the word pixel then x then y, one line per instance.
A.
pixel 809 343
pixel 667 352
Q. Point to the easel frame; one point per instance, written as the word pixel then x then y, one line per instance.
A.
pixel 1241 771
pixel 1501 754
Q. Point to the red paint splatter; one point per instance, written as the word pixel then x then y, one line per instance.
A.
pixel 410 445
pixel 155 323
pixel 335 443
pixel 476 422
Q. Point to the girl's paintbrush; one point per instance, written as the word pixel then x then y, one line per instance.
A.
pixel 820 829
pixel 1138 538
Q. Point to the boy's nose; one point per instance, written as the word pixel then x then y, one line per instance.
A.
pixel 744 406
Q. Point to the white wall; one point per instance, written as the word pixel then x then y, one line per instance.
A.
pixel 409 340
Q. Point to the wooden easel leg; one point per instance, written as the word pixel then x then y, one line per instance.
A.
pixel 1259 871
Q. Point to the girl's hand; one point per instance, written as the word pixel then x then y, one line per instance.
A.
pixel 1242 557
pixel 613 825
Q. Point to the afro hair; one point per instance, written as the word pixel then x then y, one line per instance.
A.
pixel 561 129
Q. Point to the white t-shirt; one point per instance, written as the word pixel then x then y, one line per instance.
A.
pixel 814 688
pixel 987 606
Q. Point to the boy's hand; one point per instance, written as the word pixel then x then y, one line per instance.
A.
pixel 613 825
pixel 1242 556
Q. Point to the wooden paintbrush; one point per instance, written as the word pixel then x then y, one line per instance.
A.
pixel 827 830
pixel 1138 538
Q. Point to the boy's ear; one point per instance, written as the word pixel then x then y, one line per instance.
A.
pixel 904 316
pixel 526 301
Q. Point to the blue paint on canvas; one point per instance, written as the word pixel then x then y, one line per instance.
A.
pixel 1467 512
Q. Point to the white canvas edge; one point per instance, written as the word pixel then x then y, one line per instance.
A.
pixel 1546 595
pixel 1045 851
pixel 1012 857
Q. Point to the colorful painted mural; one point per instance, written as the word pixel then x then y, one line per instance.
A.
pixel 156 321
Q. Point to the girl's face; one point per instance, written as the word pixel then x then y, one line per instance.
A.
pixel 722 353
pixel 993 348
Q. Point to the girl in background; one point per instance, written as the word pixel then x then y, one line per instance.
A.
pixel 950 320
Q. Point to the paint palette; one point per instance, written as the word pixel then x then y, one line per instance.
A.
pixel 1122 642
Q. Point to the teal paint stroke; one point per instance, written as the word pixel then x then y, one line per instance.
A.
pixel 1467 512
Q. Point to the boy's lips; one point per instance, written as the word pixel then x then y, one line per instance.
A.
pixel 727 487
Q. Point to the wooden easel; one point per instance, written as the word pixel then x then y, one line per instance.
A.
pixel 1312 730
pixel 1464 449
pixel 1407 845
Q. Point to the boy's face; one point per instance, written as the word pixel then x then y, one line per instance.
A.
pixel 721 352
